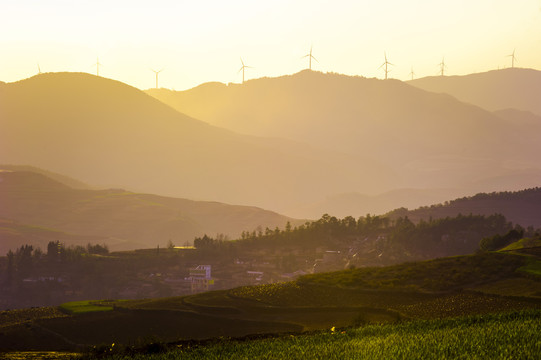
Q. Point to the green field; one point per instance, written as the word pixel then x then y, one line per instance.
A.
pixel 87 306
pixel 386 301
pixel 523 244
pixel 503 336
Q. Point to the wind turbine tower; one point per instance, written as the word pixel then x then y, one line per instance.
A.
pixel 98 66
pixel 442 67
pixel 242 68
pixel 412 73
pixel 386 64
pixel 39 70
pixel 310 57
pixel 157 72
pixel 513 58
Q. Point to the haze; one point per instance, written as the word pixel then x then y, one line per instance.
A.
pixel 197 42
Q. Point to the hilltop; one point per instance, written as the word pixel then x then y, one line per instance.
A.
pixel 66 180
pixel 431 140
pixel 122 219
pixel 109 134
pixel 494 90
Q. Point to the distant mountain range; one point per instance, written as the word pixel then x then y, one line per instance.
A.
pixel 70 182
pixel 356 204
pixel 431 141
pixel 36 209
pixel 109 134
pixel 310 139
pixel 511 88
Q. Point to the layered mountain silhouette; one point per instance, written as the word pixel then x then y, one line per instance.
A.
pixel 514 88
pixel 37 209
pixel 68 181
pixel 357 204
pixel 107 133
pixel 307 138
pixel 432 141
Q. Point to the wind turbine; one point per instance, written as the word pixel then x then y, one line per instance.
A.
pixel 412 73
pixel 310 57
pixel 386 63
pixel 39 70
pixel 98 66
pixel 242 68
pixel 442 66
pixel 513 58
pixel 157 72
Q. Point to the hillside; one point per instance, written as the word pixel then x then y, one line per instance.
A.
pixel 13 235
pixel 493 90
pixel 122 219
pixel 68 181
pixel 109 134
pixel 520 207
pixel 436 289
pixel 431 140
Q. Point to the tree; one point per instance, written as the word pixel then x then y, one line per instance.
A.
pixel 497 241
pixel 54 248
pixel 11 268
pixel 23 260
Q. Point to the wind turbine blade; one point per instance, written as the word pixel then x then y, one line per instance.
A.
pixel 313 57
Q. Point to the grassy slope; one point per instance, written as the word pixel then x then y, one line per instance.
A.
pixel 512 335
pixel 442 288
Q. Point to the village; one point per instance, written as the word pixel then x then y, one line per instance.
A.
pixel 149 273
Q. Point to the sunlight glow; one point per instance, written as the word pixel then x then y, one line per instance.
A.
pixel 202 41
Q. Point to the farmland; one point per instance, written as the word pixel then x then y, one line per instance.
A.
pixel 512 335
pixel 382 300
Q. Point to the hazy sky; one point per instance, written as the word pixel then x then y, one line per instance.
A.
pixel 201 41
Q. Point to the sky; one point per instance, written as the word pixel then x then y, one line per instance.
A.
pixel 200 41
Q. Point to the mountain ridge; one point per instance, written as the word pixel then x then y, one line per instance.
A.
pixel 493 90
pixel 109 134
pixel 431 140
pixel 520 207
pixel 121 218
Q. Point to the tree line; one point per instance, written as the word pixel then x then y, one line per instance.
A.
pixel 435 237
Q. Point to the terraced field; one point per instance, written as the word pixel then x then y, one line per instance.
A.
pixel 437 289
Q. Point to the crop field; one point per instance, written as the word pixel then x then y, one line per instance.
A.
pixel 386 298
pixel 532 266
pixel 501 336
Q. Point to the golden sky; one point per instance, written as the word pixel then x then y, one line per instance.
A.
pixel 201 41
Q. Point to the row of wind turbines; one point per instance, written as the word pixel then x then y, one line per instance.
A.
pixel 385 65
pixel 442 65
pixel 310 56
